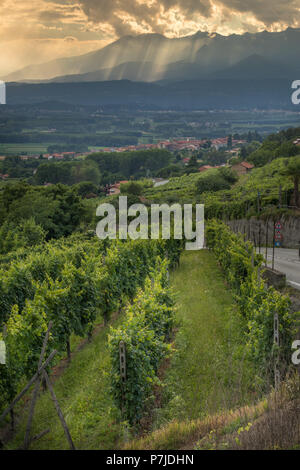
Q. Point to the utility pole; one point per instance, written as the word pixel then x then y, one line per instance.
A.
pixel 280 197
pixel 273 254
pixel 267 239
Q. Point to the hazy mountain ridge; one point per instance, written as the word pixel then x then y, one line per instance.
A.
pixel 145 48
pixel 153 57
pixel 188 94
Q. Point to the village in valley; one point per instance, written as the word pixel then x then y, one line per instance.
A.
pixel 185 147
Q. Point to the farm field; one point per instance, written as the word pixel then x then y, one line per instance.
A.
pixel 24 149
pixel 202 377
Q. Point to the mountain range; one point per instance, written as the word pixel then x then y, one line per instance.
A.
pixel 155 58
pixel 187 94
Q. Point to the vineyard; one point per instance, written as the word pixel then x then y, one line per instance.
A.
pixel 71 283
pixel 257 302
pixel 264 189
pixel 134 352
pixel 214 341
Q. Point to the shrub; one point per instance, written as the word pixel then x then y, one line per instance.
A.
pixel 211 183
pixel 70 282
pixel 145 332
pixel 256 301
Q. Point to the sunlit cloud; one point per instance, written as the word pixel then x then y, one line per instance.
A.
pixel 33 31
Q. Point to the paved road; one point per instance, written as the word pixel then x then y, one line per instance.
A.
pixel 160 183
pixel 287 261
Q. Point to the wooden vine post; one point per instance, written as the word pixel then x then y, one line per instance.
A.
pixel 259 237
pixel 276 362
pixel 122 351
pixel 273 250
pixel 267 241
pixel 122 355
pixel 36 380
pixel 36 390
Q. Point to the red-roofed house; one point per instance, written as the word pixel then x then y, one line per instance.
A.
pixel 205 168
pixel 115 188
pixel 242 168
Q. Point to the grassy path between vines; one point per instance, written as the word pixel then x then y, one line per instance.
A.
pixel 206 373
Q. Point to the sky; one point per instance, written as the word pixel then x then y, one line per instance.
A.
pixel 36 31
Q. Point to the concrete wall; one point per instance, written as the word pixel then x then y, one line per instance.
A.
pixel 274 278
pixel 255 229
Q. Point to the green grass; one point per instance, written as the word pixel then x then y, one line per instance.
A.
pixel 17 149
pixel 207 372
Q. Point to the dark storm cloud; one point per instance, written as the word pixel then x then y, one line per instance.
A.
pixel 149 14
pixel 32 30
pixel 146 14
pixel 189 7
pixel 269 11
pixel 107 11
